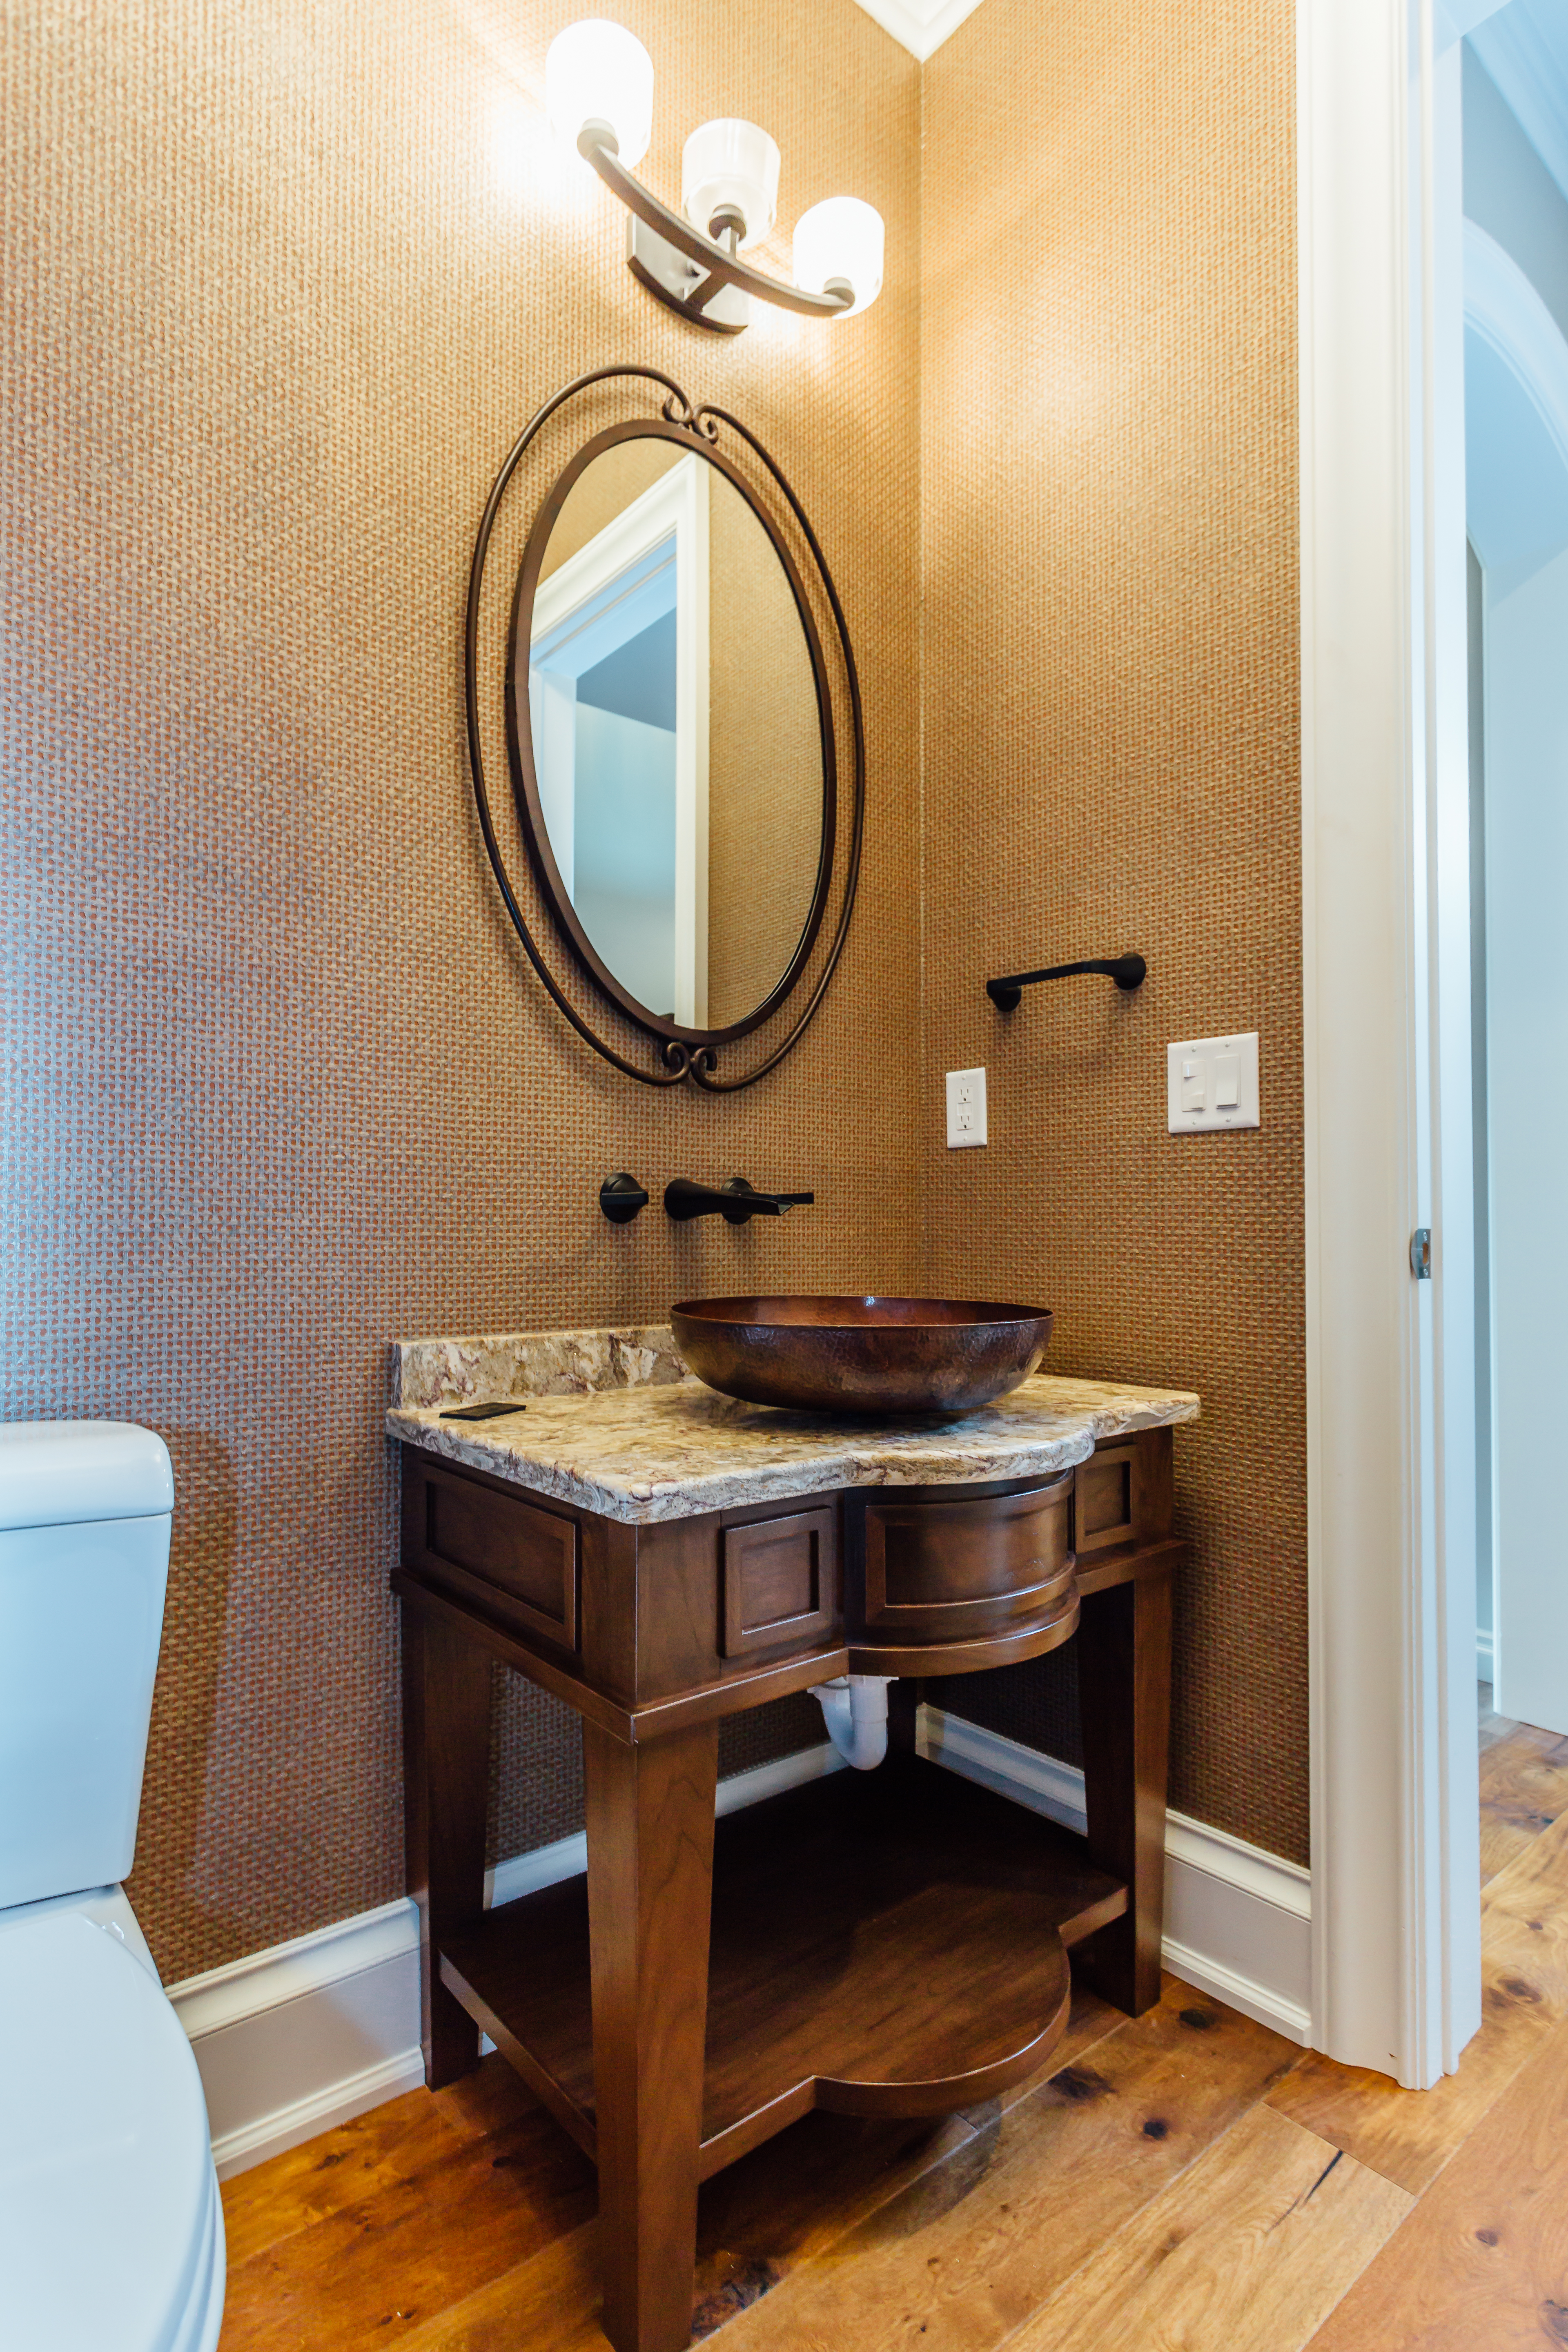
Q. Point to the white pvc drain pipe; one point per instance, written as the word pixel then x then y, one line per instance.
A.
pixel 854 1708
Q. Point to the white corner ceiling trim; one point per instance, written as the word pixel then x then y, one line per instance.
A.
pixel 1524 47
pixel 921 25
pixel 1502 305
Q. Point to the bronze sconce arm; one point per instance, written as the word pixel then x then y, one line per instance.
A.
pixel 685 269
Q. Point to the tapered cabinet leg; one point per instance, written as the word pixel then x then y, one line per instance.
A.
pixel 651 1882
pixel 445 1780
pixel 1124 1695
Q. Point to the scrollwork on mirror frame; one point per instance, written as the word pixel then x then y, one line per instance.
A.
pixel 676 1058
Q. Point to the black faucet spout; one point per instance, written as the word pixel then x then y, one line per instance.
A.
pixel 735 1202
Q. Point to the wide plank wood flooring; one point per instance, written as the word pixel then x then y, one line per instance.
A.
pixel 1186 2182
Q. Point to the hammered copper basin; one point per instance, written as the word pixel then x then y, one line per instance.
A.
pixel 861 1355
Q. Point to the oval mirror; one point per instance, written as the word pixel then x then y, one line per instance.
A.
pixel 672 734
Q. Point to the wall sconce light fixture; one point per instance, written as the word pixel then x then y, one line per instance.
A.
pixel 598 84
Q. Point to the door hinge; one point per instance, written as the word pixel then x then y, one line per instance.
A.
pixel 1421 1253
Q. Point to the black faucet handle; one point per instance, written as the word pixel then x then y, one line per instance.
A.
pixel 621 1197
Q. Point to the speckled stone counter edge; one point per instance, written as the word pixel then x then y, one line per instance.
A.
pixel 619 1429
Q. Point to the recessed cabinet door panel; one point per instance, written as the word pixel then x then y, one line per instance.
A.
pixel 942 1572
pixel 527 1555
pixel 1106 1499
pixel 781 1580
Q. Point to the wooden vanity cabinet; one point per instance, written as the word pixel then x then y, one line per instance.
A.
pixel 889 1943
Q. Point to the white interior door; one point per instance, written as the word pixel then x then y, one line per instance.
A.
pixel 1527 1068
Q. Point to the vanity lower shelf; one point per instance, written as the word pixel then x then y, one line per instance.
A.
pixel 883 1943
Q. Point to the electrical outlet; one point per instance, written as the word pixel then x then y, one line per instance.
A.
pixel 965 1108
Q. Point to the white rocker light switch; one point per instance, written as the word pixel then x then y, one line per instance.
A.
pixel 1212 1082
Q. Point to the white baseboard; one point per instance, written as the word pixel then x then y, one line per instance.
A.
pixel 307 2034
pixel 1238 1920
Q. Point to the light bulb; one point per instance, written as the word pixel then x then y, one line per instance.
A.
pixel 730 166
pixel 598 72
pixel 840 238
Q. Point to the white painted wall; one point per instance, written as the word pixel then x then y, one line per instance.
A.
pixel 1516 434
pixel 1527 1062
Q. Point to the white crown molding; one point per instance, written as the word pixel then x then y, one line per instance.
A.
pixel 1238 1921
pixel 1532 72
pixel 921 25
pixel 1452 19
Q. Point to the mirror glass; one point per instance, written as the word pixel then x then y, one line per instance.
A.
pixel 672 708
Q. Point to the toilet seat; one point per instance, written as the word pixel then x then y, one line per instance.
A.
pixel 110 2221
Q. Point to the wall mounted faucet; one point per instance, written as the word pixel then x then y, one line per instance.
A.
pixel 735 1202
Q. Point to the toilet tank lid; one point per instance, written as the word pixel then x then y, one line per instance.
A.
pixel 58 1473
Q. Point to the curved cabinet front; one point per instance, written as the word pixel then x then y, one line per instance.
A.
pixel 935 1570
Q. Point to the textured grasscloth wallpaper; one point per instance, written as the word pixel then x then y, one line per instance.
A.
pixel 281 286
pixel 1111 761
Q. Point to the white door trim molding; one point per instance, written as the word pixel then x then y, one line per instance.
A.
pixel 1396 1970
pixel 1238 1920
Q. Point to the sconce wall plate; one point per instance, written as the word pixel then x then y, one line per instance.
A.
pixel 676 279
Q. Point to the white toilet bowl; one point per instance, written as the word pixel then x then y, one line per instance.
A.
pixel 111 2224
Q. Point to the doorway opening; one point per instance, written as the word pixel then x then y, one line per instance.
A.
pixel 1516 458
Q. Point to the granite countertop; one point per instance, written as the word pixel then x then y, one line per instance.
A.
pixel 615 1424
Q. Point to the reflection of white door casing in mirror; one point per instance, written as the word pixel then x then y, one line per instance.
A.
pixel 606 577
pixel 601 690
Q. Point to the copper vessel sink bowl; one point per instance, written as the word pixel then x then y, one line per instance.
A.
pixel 861 1355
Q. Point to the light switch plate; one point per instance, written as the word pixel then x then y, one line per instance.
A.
pixel 1212 1082
pixel 965 1108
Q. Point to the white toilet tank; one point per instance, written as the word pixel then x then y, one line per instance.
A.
pixel 85 1511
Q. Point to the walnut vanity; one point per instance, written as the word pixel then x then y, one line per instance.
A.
pixel 887 1942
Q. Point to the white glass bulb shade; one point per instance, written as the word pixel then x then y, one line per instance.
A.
pixel 840 238
pixel 730 165
pixel 598 72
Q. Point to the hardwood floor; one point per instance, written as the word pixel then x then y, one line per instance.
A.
pixel 1185 2182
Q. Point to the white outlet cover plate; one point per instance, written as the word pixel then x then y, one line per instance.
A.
pixel 1201 1073
pixel 965 1108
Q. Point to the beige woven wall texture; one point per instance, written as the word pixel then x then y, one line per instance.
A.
pixel 1111 761
pixel 282 284
pixel 281 287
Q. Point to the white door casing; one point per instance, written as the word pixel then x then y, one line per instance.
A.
pixel 1390 1360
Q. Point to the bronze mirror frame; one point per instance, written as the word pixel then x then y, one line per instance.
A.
pixel 680 1054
